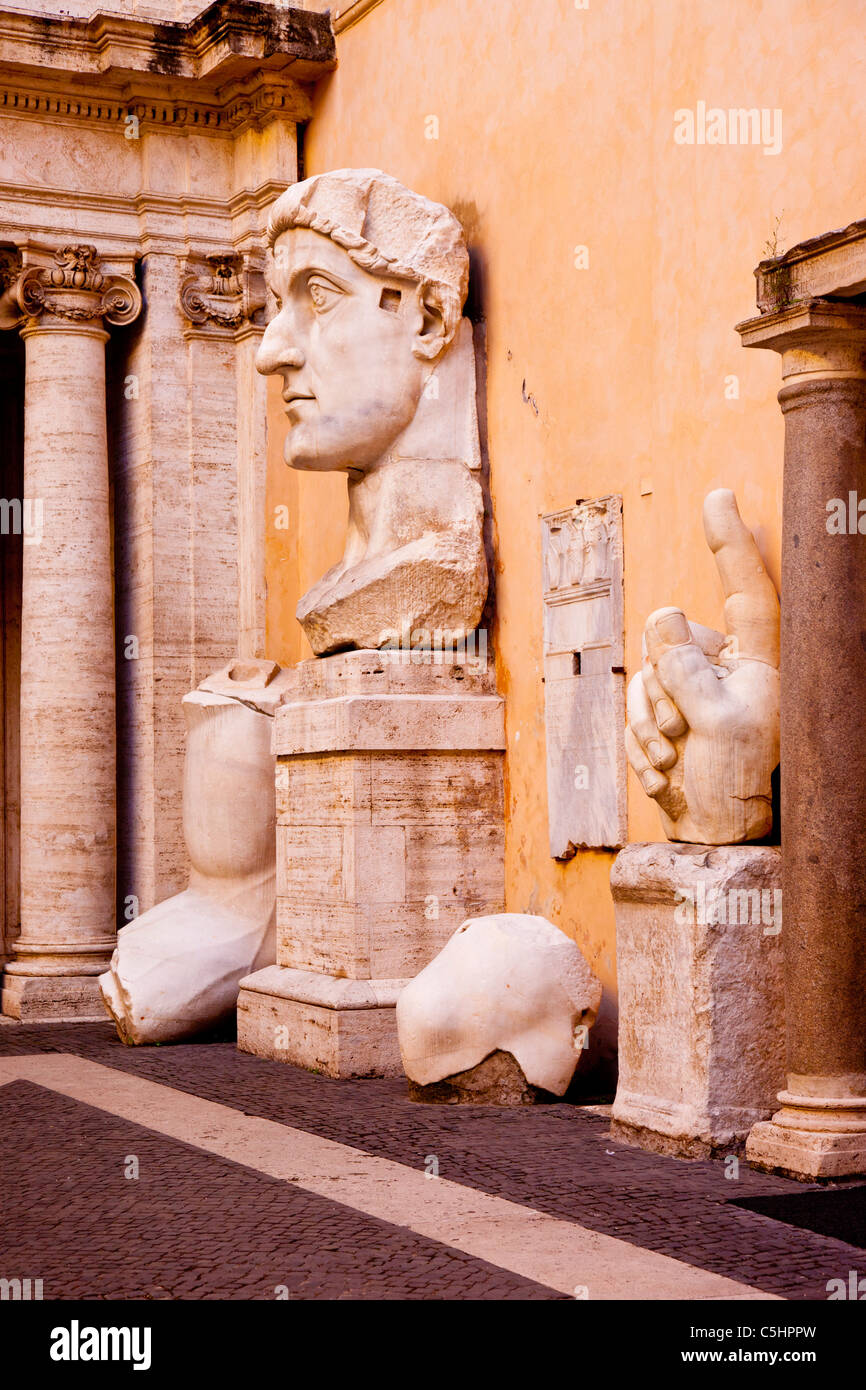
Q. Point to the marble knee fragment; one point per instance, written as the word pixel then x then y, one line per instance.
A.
pixel 509 983
pixel 175 969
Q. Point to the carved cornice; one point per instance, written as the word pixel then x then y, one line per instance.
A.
pixel 236 64
pixel 227 36
pixel 71 290
pixel 228 294
pixel 830 265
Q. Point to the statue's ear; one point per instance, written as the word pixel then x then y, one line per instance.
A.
pixel 437 330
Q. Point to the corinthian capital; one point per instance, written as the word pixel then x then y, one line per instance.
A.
pixel 72 289
pixel 224 290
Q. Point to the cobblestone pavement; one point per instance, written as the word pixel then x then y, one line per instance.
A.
pixel 113 1237
pixel 193 1226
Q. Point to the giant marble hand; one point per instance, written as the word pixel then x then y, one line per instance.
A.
pixel 703 712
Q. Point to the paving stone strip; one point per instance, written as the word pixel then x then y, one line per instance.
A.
pixel 560 1255
pixel 557 1159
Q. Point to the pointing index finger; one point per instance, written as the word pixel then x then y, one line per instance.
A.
pixel 751 601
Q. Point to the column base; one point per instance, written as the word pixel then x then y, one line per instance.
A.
pixel 52 998
pixel 340 1027
pixel 812 1139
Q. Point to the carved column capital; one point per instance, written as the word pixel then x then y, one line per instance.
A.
pixel 816 339
pixel 223 290
pixel 70 290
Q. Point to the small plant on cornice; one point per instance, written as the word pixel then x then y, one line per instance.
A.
pixel 772 248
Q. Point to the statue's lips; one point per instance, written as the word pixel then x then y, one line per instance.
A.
pixel 292 402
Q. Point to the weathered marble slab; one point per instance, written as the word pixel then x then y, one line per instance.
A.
pixel 584 679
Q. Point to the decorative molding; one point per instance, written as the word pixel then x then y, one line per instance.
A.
pixel 577 553
pixel 10 267
pixel 229 113
pixel 257 200
pixel 73 289
pixel 346 15
pixel 240 63
pixel 230 294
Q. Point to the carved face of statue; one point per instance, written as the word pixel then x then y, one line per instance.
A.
pixel 346 344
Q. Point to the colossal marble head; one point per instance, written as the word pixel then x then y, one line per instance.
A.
pixel 378 374
pixel 370 280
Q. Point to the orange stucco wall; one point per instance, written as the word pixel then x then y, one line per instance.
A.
pixel 556 130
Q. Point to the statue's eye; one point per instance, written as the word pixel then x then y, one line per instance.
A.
pixel 323 294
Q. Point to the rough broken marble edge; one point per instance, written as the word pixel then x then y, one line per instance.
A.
pixel 257 695
pixel 655 870
pixel 327 991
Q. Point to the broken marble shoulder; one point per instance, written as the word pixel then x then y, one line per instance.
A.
pixel 175 970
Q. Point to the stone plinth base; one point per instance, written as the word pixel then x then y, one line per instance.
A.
pixel 338 1027
pixel 498 1080
pixel 701 1003
pixel 53 998
pixel 813 1139
pixel 678 1145
pixel 390 833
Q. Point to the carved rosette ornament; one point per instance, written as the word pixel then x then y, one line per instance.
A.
pixel 229 294
pixel 72 289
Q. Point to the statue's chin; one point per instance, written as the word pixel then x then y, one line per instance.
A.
pixel 308 456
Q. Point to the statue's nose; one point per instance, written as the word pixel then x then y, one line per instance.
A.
pixel 277 351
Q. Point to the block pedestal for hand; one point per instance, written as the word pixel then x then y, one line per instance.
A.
pixel 701 999
pixel 390 833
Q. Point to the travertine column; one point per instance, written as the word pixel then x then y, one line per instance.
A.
pixel 67 643
pixel 820 1131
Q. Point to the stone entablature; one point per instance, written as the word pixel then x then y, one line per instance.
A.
pixel 833 264
pixel 221 42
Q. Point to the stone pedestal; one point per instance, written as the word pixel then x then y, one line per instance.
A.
pixel 820 1131
pixel 390 833
pixel 701 1006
